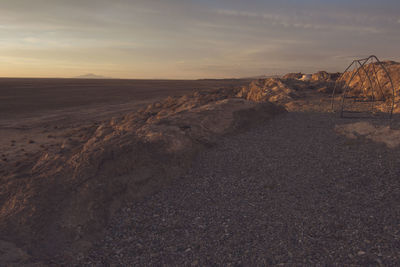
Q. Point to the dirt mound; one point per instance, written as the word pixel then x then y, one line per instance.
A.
pixel 58 202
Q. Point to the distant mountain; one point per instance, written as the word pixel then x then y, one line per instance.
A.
pixel 91 76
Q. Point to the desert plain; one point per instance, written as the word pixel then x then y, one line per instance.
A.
pixel 37 113
pixel 163 172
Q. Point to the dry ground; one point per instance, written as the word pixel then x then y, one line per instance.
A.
pixel 289 192
pixel 37 114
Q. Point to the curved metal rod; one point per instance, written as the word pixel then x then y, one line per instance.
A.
pixel 362 79
pixel 377 81
pixel 391 83
pixel 347 87
pixel 334 89
pixel 370 83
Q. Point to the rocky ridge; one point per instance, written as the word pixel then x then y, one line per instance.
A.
pixel 61 202
pixel 360 83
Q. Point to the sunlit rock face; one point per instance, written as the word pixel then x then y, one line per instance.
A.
pixel 273 89
pixel 360 82
pixel 296 75
pixel 289 90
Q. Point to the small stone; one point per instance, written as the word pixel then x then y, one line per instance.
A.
pixel 360 253
pixel 379 262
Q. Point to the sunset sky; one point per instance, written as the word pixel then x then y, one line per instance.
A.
pixel 188 39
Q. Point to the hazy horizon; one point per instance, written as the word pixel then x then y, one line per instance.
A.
pixel 173 39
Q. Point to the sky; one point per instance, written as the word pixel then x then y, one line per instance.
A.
pixel 190 39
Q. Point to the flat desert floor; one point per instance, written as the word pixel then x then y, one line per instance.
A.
pixel 37 113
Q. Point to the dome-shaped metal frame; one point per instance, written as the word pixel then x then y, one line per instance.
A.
pixel 372 92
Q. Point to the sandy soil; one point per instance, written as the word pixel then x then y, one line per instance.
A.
pixel 38 114
pixel 30 97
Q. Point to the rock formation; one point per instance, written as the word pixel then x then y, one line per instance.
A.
pixel 360 83
pixel 297 75
pixel 61 201
pixel 273 90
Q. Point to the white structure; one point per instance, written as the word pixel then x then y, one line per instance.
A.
pixel 306 77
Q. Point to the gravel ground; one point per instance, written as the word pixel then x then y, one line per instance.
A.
pixel 289 192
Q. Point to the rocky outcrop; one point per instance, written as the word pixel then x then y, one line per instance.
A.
pixel 297 75
pixel 320 76
pixel 62 199
pixel 322 81
pixel 274 90
pixel 323 76
pixel 360 83
pixel 290 93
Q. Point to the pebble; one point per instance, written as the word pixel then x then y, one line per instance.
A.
pixel 224 189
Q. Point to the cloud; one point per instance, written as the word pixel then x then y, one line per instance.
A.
pixel 312 21
pixel 193 39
